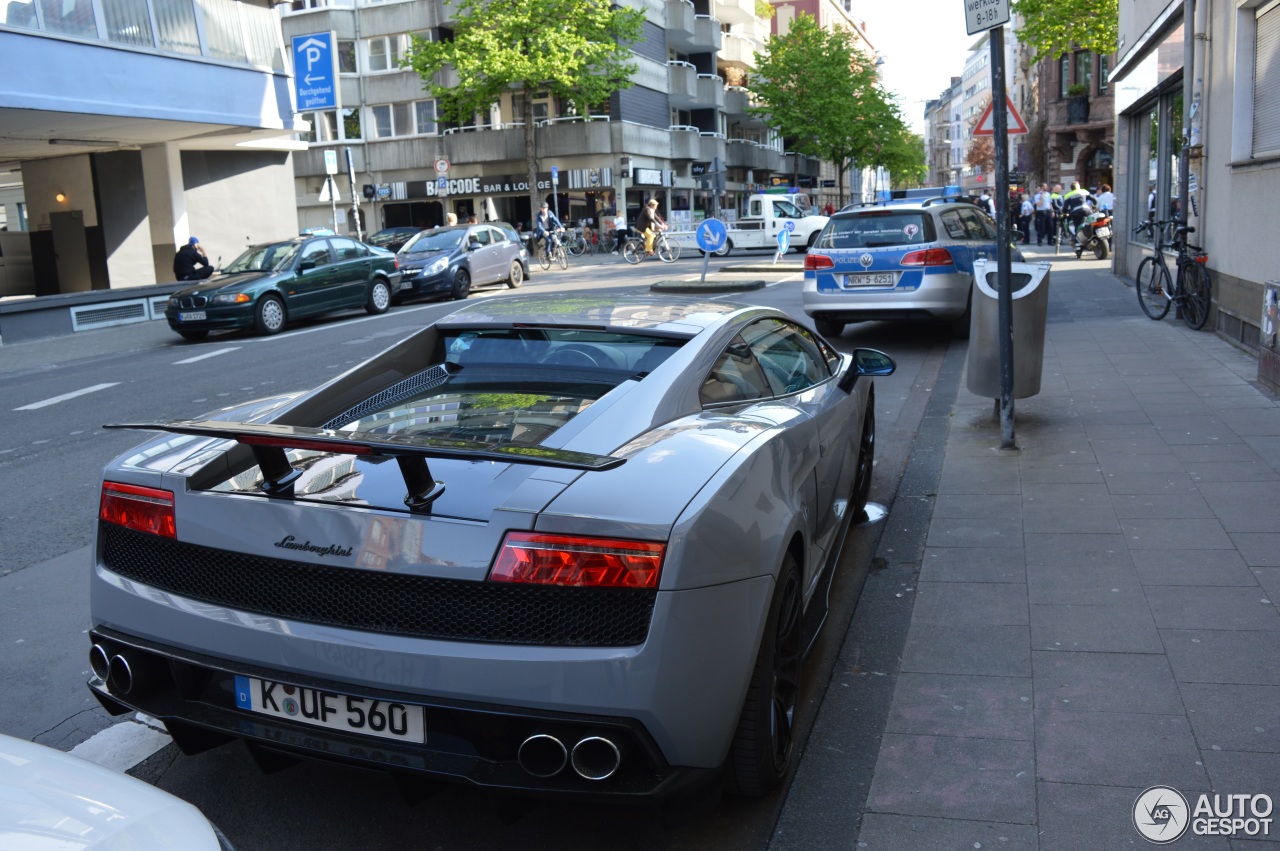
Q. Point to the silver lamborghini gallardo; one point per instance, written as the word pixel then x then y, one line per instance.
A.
pixel 558 545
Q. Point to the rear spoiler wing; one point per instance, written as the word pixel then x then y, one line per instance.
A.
pixel 269 442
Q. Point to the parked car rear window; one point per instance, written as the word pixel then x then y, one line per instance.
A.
pixel 878 229
pixel 514 386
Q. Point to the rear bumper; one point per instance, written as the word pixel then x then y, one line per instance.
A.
pixel 467 742
pixel 939 296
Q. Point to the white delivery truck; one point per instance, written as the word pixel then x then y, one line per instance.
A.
pixel 765 215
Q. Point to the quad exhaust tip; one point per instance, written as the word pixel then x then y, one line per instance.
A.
pixel 596 758
pixel 542 755
pixel 99 662
pixel 120 675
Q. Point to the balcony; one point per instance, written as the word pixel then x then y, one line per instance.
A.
pixel 682 84
pixel 706 34
pixel 737 104
pixel 738 51
pixel 710 92
pixel 799 164
pixel 680 24
pixel 735 11
pixel 747 154
pixel 465 145
pixel 567 137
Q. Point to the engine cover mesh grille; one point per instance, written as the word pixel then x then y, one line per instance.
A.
pixel 382 601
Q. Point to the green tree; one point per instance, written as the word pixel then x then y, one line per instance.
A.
pixel 907 164
pixel 820 92
pixel 1055 27
pixel 576 50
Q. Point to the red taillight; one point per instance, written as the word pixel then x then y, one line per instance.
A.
pixel 541 559
pixel 928 257
pixel 147 510
pixel 817 262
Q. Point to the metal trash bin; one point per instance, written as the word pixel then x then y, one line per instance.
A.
pixel 1030 282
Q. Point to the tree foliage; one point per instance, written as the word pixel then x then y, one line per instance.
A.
pixel 575 50
pixel 820 92
pixel 1055 27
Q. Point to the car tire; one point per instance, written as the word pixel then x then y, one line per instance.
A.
pixel 866 461
pixel 808 246
pixel 379 297
pixel 722 251
pixel 764 742
pixel 461 284
pixel 960 327
pixel 516 276
pixel 193 335
pixel 829 328
pixel 269 316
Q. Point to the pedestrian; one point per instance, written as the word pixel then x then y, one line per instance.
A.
pixel 472 220
pixel 1025 211
pixel 1106 199
pixel 191 263
pixel 1044 212
pixel 1055 203
pixel 450 219
pixel 619 230
pixel 988 206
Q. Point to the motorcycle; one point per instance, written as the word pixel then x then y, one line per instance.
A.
pixel 1094 234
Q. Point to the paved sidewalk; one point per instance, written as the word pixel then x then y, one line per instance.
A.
pixel 1094 614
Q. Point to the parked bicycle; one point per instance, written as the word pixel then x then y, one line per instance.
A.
pixel 552 251
pixel 666 250
pixel 576 242
pixel 1157 289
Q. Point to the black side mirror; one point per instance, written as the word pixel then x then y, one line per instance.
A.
pixel 473 244
pixel 866 362
pixel 304 265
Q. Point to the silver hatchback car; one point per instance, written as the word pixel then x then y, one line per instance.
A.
pixel 910 261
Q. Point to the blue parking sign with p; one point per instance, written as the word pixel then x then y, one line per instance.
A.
pixel 315 72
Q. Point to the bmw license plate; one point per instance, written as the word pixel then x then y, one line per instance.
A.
pixel 875 279
pixel 1103 232
pixel 191 316
pixel 399 721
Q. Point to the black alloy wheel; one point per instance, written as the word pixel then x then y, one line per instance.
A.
pixel 461 284
pixel 764 742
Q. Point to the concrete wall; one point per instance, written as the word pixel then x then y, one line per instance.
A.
pixel 125 228
pixel 44 179
pixel 235 198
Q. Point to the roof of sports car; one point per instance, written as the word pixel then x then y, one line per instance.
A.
pixel 653 313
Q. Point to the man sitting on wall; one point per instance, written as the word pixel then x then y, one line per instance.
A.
pixel 188 258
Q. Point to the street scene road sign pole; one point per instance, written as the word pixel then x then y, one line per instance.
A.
pixel 1003 254
pixel 555 190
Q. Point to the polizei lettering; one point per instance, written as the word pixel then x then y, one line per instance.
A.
pixel 288 542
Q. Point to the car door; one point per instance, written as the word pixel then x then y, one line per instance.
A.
pixel 351 270
pixel 797 370
pixel 980 233
pixel 503 251
pixel 483 260
pixel 312 284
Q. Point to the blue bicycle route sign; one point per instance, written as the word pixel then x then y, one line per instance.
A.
pixel 314 77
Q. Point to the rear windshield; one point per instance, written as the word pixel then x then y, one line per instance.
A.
pixel 511 386
pixel 878 229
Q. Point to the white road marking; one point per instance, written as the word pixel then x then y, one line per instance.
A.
pixel 124 745
pixel 212 354
pixel 65 396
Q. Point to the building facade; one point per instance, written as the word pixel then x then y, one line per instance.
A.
pixel 1077 115
pixel 1232 150
pixel 941 143
pixel 688 105
pixel 102 180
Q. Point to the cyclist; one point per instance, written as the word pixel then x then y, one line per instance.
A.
pixel 649 224
pixel 545 226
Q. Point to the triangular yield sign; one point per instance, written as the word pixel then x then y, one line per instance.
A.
pixel 986 124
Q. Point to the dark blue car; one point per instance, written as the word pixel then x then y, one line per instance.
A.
pixel 449 261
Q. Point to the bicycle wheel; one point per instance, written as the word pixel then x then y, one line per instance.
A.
pixel 544 256
pixel 1153 285
pixel 1193 294
pixel 561 257
pixel 576 245
pixel 633 251
pixel 668 251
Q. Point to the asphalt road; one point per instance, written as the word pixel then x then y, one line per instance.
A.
pixel 58 393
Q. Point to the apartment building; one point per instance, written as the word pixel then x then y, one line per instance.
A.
pixel 941 144
pixel 688 105
pixel 1232 149
pixel 128 125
